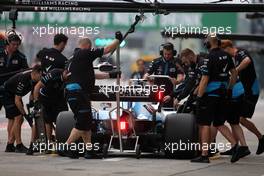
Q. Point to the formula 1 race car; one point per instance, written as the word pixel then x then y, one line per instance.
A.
pixel 144 125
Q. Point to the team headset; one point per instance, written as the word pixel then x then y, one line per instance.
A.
pixel 169 46
pixel 207 44
pixel 13 36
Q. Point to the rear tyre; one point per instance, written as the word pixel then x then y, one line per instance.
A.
pixel 180 133
pixel 105 151
pixel 138 152
pixel 64 125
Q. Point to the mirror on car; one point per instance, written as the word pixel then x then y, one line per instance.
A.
pixel 105 67
pixel 104 106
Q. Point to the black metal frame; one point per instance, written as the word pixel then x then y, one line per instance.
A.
pixel 158 8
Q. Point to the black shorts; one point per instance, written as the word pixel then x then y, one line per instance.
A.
pixel 2 93
pixel 11 109
pixel 248 107
pixel 234 111
pixel 51 108
pixel 211 110
pixel 80 104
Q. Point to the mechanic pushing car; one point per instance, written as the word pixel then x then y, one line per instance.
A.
pixel 11 61
pixel 232 103
pixel 49 92
pixel 165 65
pixel 212 90
pixel 51 58
pixel 79 88
pixel 15 88
pixel 193 64
pixel 247 74
pixel 233 106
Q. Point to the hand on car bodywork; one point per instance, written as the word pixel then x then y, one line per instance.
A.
pixel 166 99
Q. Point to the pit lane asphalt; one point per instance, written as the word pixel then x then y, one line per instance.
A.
pixel 12 164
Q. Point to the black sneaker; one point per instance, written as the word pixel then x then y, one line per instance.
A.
pixel 20 148
pixel 30 150
pixel 50 149
pixel 260 149
pixel 88 155
pixel 229 152
pixel 240 152
pixel 212 153
pixel 73 154
pixel 201 159
pixel 91 155
pixel 10 148
pixel 244 151
pixel 61 153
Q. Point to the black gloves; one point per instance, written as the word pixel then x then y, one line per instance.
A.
pixel 119 36
pixel 31 103
pixel 37 105
pixel 114 74
pixel 29 119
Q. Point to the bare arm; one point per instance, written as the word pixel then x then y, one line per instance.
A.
pixel 233 78
pixel 102 75
pixel 178 80
pixel 173 80
pixel 202 85
pixel 111 47
pixel 31 97
pixel 37 88
pixel 195 92
pixel 244 64
pixel 19 104
pixel 146 76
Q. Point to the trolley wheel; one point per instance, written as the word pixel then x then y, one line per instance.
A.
pixel 105 151
pixel 138 152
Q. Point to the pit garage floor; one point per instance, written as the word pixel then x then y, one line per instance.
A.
pixel 52 165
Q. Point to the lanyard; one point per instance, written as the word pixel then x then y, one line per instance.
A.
pixel 166 68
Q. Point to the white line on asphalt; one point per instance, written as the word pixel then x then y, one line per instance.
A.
pixel 114 159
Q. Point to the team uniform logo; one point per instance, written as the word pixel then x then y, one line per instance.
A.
pixel 2 61
pixel 172 70
pixel 15 61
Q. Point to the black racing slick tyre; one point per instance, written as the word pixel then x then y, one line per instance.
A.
pixel 105 151
pixel 138 151
pixel 64 125
pixel 181 136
